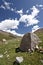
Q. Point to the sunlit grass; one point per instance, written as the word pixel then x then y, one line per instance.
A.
pixel 29 59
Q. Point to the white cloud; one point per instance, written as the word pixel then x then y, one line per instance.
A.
pixel 7 6
pixel 35 11
pixel 14 32
pixel 6 25
pixel 9 24
pixel 2 6
pixel 36 27
pixel 20 12
pixel 27 11
pixel 39 5
pixel 30 19
pixel 12 9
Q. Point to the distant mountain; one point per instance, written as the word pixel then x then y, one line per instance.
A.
pixel 6 35
pixel 39 30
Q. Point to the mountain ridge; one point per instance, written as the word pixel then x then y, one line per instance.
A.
pixel 8 35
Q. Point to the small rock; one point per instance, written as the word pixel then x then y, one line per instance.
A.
pixel 4 40
pixel 7 55
pixel 41 61
pixel 29 50
pixel 5 52
pixel 19 59
pixel 37 47
pixel 1 56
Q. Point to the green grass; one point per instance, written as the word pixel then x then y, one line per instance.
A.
pixel 29 59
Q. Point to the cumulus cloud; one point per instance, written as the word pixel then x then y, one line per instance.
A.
pixel 20 12
pixel 9 24
pixel 39 5
pixel 6 5
pixel 30 19
pixel 35 11
pixel 27 11
pixel 6 25
pixel 36 27
pixel 14 32
pixel 2 6
pixel 12 9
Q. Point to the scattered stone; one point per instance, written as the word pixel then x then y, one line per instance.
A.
pixel 41 52
pixel 19 59
pixel 41 61
pixel 4 40
pixel 1 56
pixel 5 52
pixel 37 47
pixel 7 55
pixel 29 50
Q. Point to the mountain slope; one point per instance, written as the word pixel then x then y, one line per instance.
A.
pixel 39 32
pixel 6 35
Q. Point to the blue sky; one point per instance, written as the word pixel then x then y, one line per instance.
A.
pixel 21 16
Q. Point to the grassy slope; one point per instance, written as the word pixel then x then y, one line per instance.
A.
pixel 40 34
pixel 5 35
pixel 29 59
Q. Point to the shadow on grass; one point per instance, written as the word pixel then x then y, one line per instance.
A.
pixel 17 50
pixel 15 63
